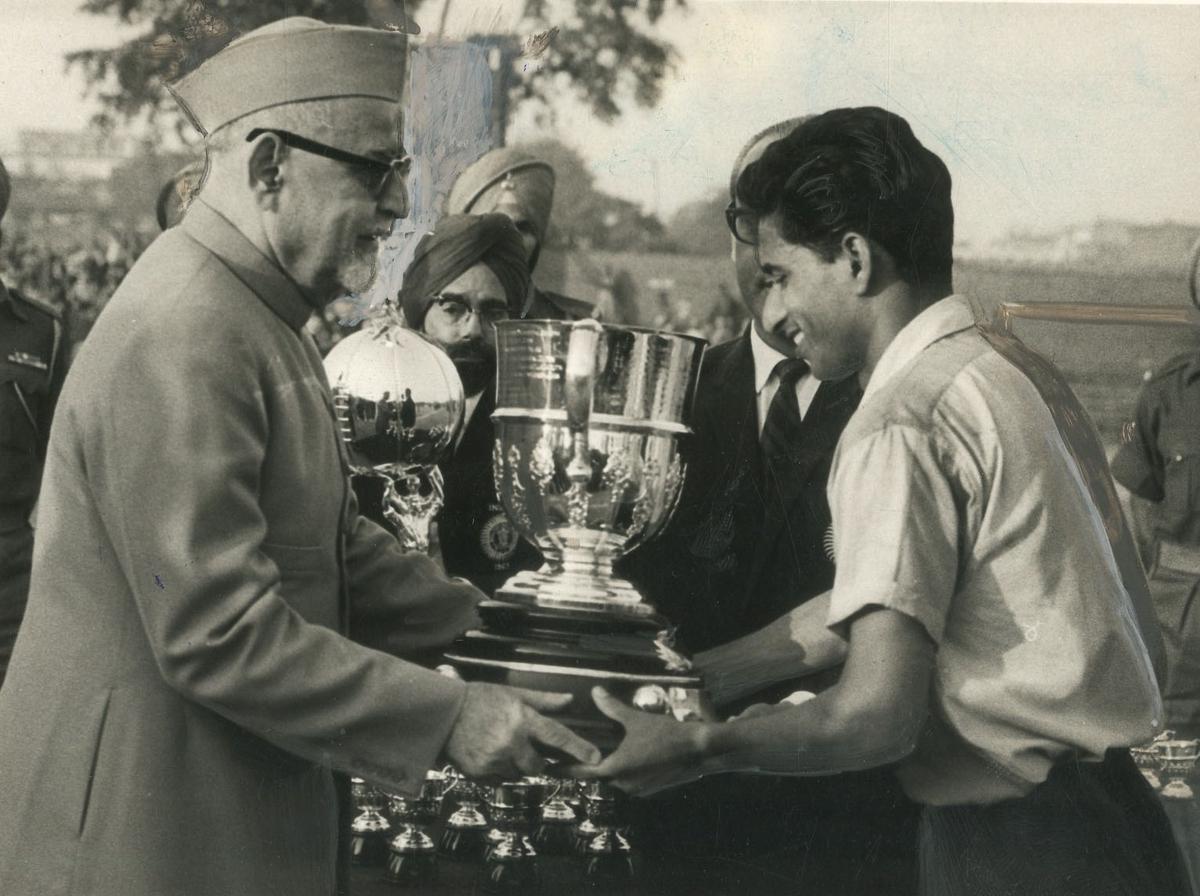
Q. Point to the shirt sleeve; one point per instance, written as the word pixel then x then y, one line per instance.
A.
pixel 175 463
pixel 896 529
pixel 1138 465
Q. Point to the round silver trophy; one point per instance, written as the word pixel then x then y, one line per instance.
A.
pixel 399 405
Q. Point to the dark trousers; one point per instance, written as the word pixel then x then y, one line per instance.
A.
pixel 853 834
pixel 1092 829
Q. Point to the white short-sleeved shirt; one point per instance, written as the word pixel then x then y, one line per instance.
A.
pixel 956 501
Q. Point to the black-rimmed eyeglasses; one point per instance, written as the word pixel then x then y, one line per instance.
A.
pixel 458 309
pixel 742 223
pixel 378 172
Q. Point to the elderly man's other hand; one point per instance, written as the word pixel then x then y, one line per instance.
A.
pixel 657 752
pixel 763 709
pixel 500 730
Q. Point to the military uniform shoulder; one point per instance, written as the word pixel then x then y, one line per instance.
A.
pixel 568 308
pixel 1186 363
pixel 28 303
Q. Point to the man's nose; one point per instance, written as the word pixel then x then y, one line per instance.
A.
pixel 474 326
pixel 394 199
pixel 774 312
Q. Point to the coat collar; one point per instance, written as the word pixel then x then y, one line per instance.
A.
pixel 8 301
pixel 217 233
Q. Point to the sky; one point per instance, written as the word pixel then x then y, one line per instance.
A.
pixel 1047 115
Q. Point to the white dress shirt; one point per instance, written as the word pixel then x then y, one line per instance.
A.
pixel 766 380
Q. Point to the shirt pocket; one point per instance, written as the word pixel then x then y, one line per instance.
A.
pixel 297 558
pixel 1181 481
pixel 308 580
pixel 22 395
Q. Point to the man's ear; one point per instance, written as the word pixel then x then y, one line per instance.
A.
pixel 862 261
pixel 264 169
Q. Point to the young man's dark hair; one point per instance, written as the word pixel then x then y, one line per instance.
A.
pixel 859 170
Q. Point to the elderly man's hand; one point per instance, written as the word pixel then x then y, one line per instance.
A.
pixel 499 732
pixel 657 752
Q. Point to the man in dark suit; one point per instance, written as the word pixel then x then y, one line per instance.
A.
pixel 747 544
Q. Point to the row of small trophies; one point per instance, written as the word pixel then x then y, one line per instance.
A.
pixel 1171 758
pixel 504 827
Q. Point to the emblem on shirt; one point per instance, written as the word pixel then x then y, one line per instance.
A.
pixel 828 543
pixel 27 360
pixel 498 539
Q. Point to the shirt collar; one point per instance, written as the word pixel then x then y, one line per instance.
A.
pixel 944 317
pixel 217 233
pixel 766 359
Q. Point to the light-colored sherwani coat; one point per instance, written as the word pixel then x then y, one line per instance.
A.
pixel 183 685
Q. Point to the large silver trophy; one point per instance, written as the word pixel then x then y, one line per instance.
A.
pixel 589 422
pixel 399 405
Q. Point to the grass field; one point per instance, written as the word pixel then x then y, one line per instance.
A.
pixel 1106 364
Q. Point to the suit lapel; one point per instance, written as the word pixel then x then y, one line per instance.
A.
pixel 832 406
pixel 734 421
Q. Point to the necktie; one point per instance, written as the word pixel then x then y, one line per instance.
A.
pixel 781 430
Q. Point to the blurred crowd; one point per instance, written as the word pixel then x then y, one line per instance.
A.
pixel 77 281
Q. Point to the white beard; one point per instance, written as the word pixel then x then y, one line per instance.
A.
pixel 358 273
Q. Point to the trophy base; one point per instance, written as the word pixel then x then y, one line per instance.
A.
pixel 605 595
pixel 571 650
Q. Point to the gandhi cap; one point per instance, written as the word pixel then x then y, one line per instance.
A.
pixel 291 61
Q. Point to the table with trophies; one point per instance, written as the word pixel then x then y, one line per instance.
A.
pixel 589 423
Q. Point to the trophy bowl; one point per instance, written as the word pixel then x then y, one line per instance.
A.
pixel 589 420
pixel 399 404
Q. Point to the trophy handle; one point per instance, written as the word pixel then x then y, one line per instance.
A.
pixel 579 380
pixel 410 511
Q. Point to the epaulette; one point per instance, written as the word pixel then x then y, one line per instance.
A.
pixel 37 304
pixel 1176 364
pixel 576 309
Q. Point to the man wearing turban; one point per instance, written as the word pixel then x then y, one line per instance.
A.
pixel 466 275
pixel 215 638
pixel 516 184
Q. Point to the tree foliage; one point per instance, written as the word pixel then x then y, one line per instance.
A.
pixel 586 217
pixel 605 51
pixel 698 228
pixel 603 48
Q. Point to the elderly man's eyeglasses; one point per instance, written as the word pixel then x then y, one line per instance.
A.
pixel 457 309
pixel 742 223
pixel 376 172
